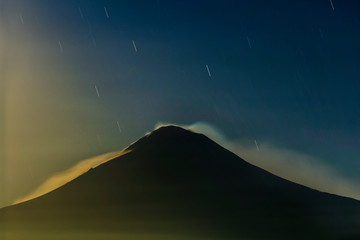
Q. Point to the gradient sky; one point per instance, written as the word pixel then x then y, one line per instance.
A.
pixel 282 72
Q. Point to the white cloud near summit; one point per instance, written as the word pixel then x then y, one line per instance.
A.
pixel 289 164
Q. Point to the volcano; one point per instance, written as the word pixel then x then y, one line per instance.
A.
pixel 177 184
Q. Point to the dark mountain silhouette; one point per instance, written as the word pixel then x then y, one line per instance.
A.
pixel 176 184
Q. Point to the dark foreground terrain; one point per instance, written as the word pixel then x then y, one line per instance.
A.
pixel 176 184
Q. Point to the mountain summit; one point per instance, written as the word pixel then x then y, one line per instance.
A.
pixel 177 184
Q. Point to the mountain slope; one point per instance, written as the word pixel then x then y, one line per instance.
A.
pixel 174 183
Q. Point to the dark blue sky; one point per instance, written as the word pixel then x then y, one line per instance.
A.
pixel 282 72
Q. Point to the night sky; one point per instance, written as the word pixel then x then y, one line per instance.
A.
pixel 81 78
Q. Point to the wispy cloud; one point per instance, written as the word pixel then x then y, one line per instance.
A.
pixel 286 163
pixel 70 174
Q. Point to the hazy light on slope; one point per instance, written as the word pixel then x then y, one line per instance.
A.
pixel 62 178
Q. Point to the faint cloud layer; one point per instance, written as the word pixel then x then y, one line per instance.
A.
pixel 70 174
pixel 291 165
